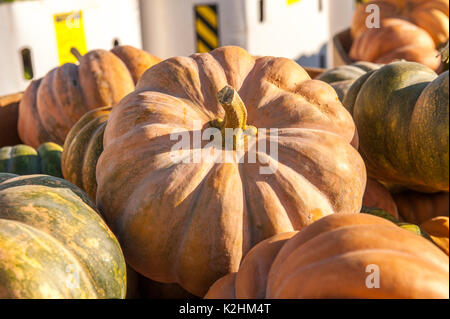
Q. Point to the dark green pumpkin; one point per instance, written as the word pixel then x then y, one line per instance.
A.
pixel 53 244
pixel 401 112
pixel 82 148
pixel 25 160
pixel 341 78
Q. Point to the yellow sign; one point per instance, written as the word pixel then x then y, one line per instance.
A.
pixel 206 28
pixel 69 33
pixel 289 2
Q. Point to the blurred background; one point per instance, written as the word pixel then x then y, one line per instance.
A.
pixel 36 35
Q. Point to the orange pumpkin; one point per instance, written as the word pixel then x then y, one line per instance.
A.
pixel 378 196
pixel 430 15
pixel 395 40
pixel 191 222
pixel 338 257
pixel 52 105
pixel 438 229
pixel 416 208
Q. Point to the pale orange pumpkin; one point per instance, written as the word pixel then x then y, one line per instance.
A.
pixel 337 257
pixel 430 15
pixel 191 223
pixel 52 105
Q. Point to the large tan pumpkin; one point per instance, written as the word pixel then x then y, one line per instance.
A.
pixel 52 105
pixel 430 15
pixel 191 223
pixel 337 257
pixel 396 40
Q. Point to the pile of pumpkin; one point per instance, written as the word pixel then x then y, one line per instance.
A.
pixel 361 181
pixel 387 30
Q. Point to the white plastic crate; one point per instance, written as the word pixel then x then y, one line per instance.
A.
pixel 46 29
pixel 296 29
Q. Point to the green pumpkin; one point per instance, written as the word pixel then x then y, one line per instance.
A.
pixel 82 148
pixel 341 78
pixel 53 244
pixel 407 226
pixel 401 112
pixel 25 160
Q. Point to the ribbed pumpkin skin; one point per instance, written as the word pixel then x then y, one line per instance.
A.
pixel 342 77
pixel 329 259
pixel 438 229
pixel 137 61
pixel 395 40
pixel 52 105
pixel 50 237
pixel 83 147
pixel 25 160
pixel 190 223
pixel 430 15
pixel 416 208
pixel 399 111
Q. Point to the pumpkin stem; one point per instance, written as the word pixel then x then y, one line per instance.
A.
pixel 76 53
pixel 235 115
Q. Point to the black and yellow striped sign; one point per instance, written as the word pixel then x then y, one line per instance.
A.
pixel 206 27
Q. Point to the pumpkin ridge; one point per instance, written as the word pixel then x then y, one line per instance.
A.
pixel 64 100
pixel 29 101
pixel 75 257
pixel 177 67
pixel 188 220
pixel 220 56
pixel 99 82
pixel 35 233
pixel 305 178
pixel 290 212
pixel 78 147
pixel 93 151
pixel 297 263
pixel 51 124
pixel 321 187
pixel 247 237
pixel 207 86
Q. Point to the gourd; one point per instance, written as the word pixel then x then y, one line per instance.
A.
pixel 83 147
pixel 395 40
pixel 430 15
pixel 188 220
pixel 52 105
pixel 340 256
pixel 402 115
pixel 53 243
